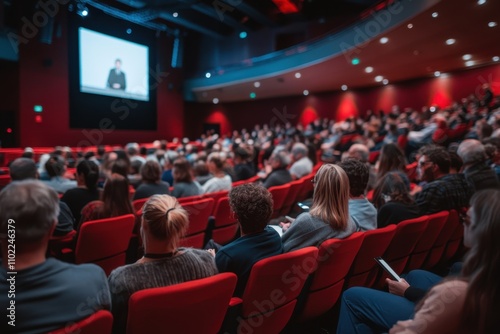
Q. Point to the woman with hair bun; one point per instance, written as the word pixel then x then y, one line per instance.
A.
pixel 164 263
pixel 87 176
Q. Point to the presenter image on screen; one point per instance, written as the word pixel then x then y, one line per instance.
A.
pixel 116 78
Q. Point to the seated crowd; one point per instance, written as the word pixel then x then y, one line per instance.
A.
pixel 392 168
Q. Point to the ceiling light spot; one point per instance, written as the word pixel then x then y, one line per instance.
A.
pixel 344 87
pixel 256 84
pixel 385 81
pixel 175 14
pixel 215 100
pixel 492 24
pixel 243 34
pixel 450 41
pixel 369 69
pixel 208 75
pixel 129 31
pixel 305 92
pixel 298 75
pixel 470 63
pixel 253 95
pixel 435 14
pixel 467 57
pixel 481 2
pixel 410 25
pixel 384 40
pixel 495 58
pixel 379 78
pixel 437 74
pixel 355 61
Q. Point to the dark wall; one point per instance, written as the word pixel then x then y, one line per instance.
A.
pixel 43 79
pixel 415 94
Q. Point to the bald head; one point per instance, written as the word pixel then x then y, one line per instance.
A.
pixel 22 169
pixel 471 151
pixel 359 152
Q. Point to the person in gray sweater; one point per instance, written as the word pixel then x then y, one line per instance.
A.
pixel 184 184
pixel 163 224
pixel 329 214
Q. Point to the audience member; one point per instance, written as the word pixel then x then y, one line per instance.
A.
pixel 87 175
pixel 475 169
pixel 164 263
pixel 25 169
pixel 252 205
pixel 391 159
pixel 184 184
pixel 301 164
pixel 443 191
pixel 278 172
pixel 201 172
pixel 243 166
pixel 115 201
pixel 220 180
pixel 393 201
pixel 56 168
pixel 329 213
pixel 361 211
pixel 362 153
pixel 49 294
pixel 151 181
pixel 170 157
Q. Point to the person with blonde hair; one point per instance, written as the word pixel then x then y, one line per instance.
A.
pixel 163 224
pixel 329 214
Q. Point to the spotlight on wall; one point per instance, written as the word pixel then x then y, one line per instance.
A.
pixel 82 9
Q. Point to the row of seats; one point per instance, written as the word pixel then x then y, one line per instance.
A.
pixel 305 283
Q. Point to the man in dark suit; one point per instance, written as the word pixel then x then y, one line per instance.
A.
pixel 116 78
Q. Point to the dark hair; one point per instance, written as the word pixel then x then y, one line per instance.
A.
pixel 482 265
pixel 120 166
pixel 22 169
pixel 358 174
pixel 456 162
pixel 391 159
pixel 253 204
pixel 151 172
pixel 394 185
pixel 135 166
pixel 440 157
pixel 181 171
pixel 55 166
pixel 200 168
pixel 90 172
pixel 116 197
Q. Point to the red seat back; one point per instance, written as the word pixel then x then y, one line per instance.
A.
pixel 438 248
pixel 138 204
pixel 225 226
pixel 335 257
pixel 199 212
pixel 287 205
pixel 272 288
pixel 104 241
pixel 375 242
pixel 197 306
pixel 279 194
pixel 100 322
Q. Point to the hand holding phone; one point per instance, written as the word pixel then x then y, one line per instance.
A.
pixel 388 269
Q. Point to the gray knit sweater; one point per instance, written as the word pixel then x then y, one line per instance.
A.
pixel 189 264
pixel 308 230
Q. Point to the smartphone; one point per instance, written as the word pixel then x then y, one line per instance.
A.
pixel 387 268
pixel 303 206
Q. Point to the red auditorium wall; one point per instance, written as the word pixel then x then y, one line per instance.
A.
pixel 43 80
pixel 415 94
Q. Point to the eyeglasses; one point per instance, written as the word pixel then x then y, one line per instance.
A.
pixel 423 163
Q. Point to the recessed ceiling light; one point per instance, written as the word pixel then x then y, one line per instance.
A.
pixel 379 78
pixel 410 25
pixel 435 14
pixel 253 95
pixel 384 40
pixel 298 75
pixel 215 100
pixel 481 2
pixel 437 73
pixel 495 58
pixel 305 92
pixel 355 61
pixel 492 24
pixel 175 14
pixel 469 63
pixel 256 84
pixel 467 57
pixel 243 34
pixel 450 41
pixel 344 87
pixel 369 69
pixel 385 81
pixel 208 75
